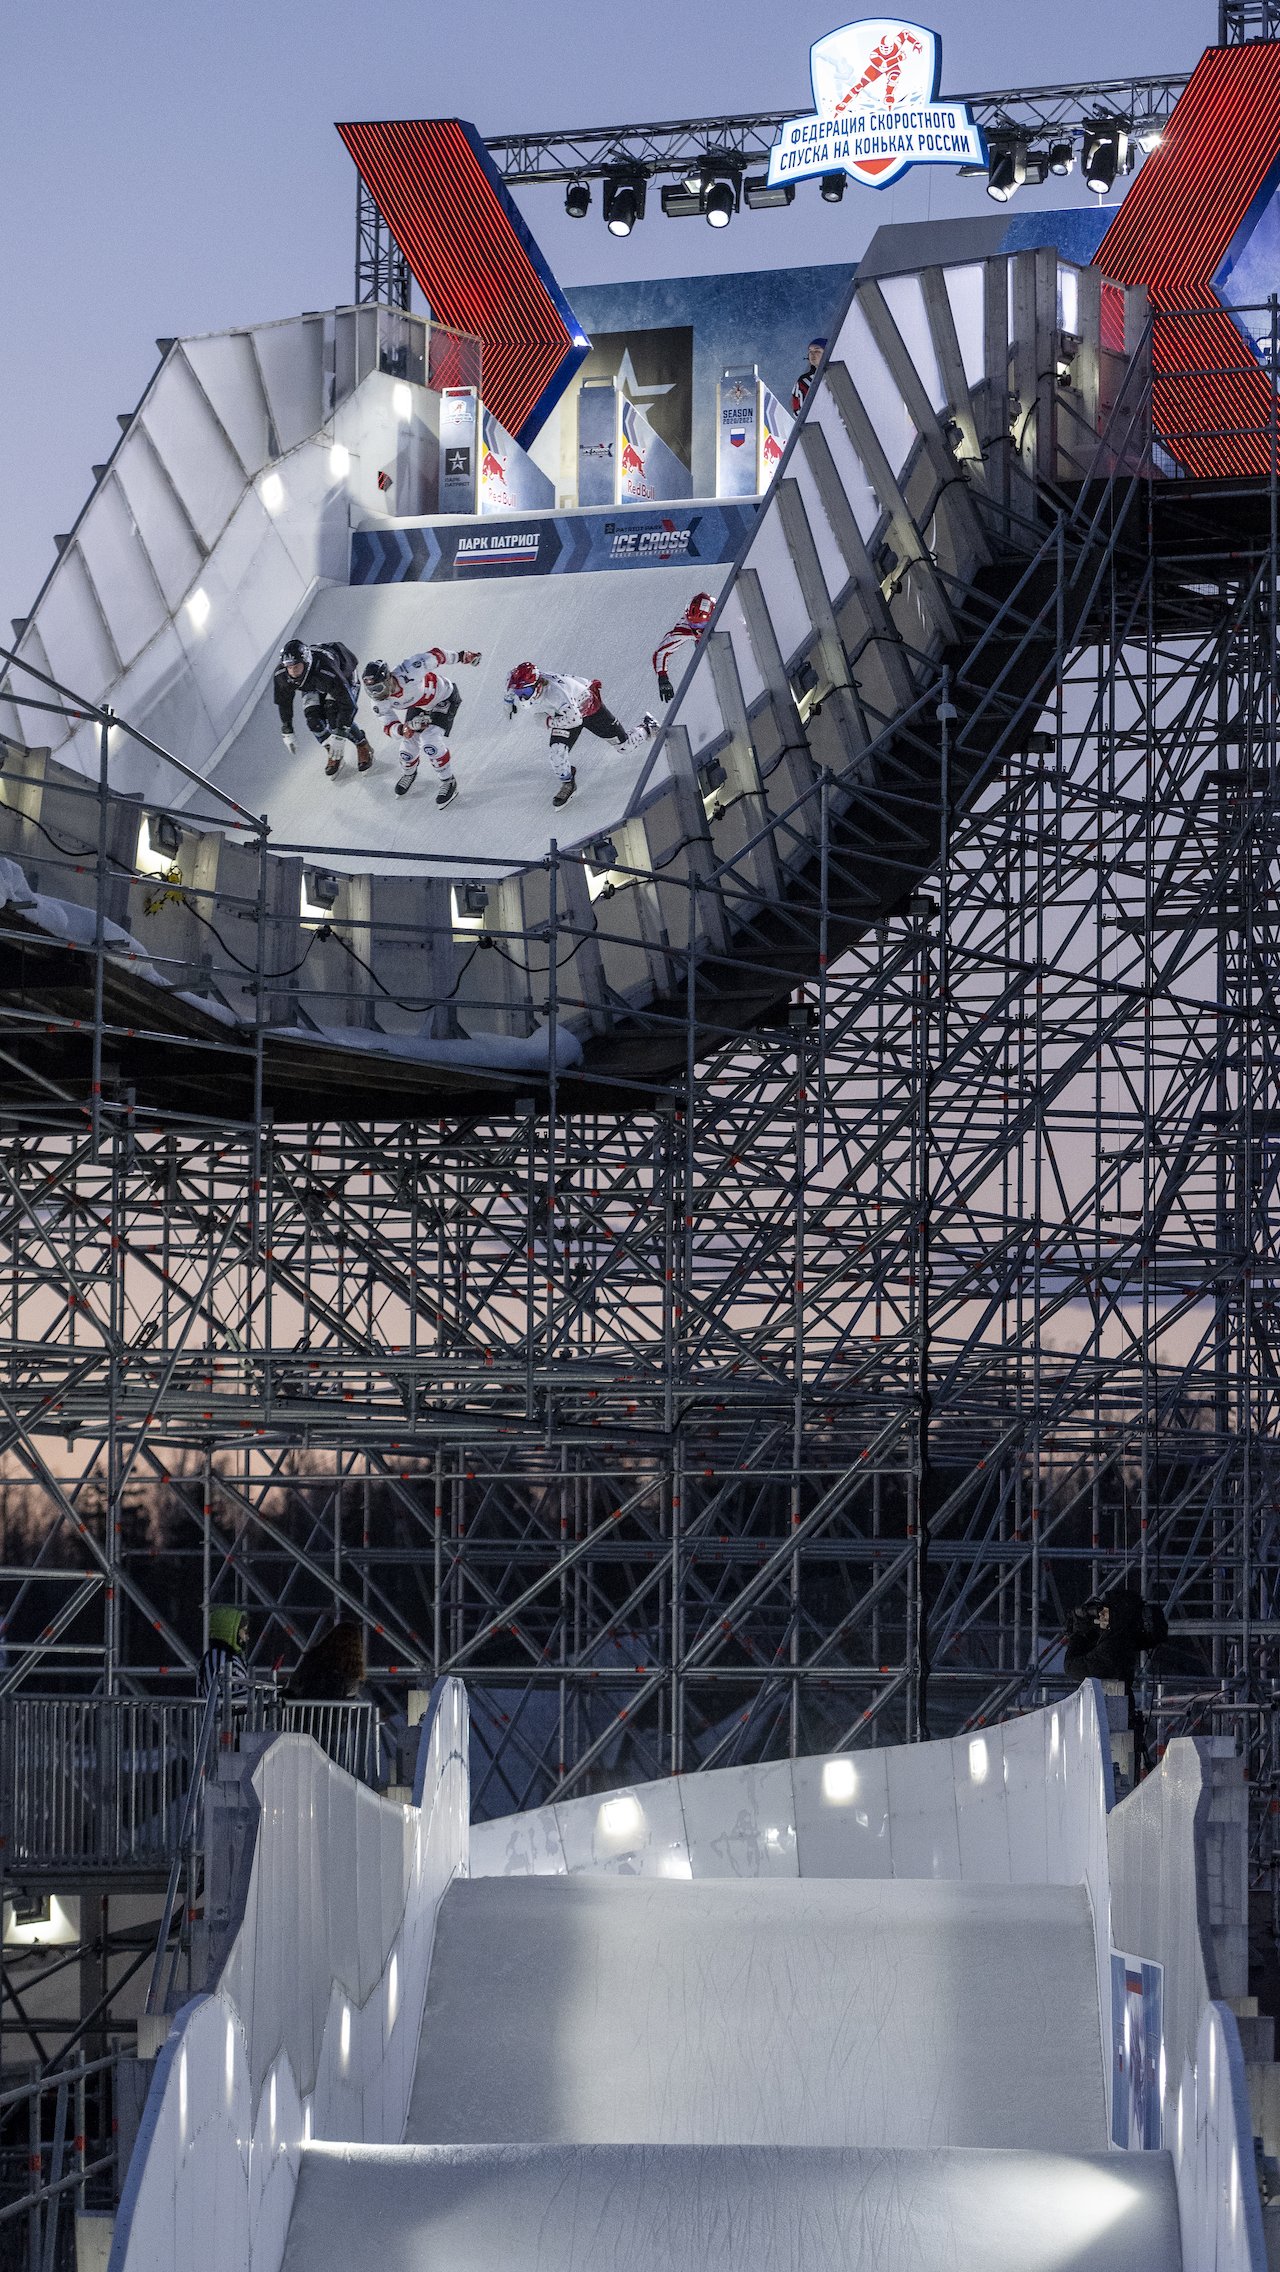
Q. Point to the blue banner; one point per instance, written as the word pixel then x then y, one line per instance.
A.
pixel 551 545
pixel 738 434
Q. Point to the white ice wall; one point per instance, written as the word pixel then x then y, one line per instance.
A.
pixel 227 501
pixel 312 2029
pixel 1158 1841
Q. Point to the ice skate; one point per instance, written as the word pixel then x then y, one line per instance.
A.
pixel 406 781
pixel 566 788
pixel 333 764
pixel 447 792
pixel 364 758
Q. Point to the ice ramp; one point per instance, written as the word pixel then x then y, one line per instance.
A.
pixel 876 2076
pixel 719 2209
pixel 818 2012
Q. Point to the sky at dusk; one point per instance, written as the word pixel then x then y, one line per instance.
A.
pixel 174 170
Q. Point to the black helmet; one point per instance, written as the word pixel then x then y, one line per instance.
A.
pixel 295 651
pixel 376 676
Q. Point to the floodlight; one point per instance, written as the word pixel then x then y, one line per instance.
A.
pixel 623 203
pixel 1062 157
pixel 603 853
pixel 1006 170
pixel 165 835
pixel 680 203
pixel 1106 146
pixel 474 899
pixel 759 193
pixel 322 888
pixel 833 187
pixel 577 200
pixel 720 203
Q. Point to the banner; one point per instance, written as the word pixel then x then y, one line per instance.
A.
pixel 738 434
pixel 459 423
pixel 510 482
pixel 654 370
pixel 875 109
pixel 776 423
pixel 560 544
pixel 1137 2030
pixel 598 443
pixel 647 470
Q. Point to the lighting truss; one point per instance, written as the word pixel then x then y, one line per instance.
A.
pixel 679 146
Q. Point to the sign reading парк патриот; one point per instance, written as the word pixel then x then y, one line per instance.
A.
pixel 876 112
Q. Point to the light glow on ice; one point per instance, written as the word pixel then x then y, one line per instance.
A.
pixel 402 401
pixel 621 1818
pixel 979 1760
pixel 271 491
pixel 839 1782
pixel 198 608
pixel 339 461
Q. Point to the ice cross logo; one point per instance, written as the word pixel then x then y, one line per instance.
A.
pixel 876 112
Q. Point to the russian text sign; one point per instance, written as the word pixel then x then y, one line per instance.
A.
pixel 876 112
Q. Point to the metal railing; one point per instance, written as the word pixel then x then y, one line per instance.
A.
pixel 59 2150
pixel 103 1784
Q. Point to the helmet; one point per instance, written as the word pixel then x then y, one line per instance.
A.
pixel 295 651
pixel 227 1625
pixel 817 343
pixel 701 608
pixel 376 676
pixel 522 682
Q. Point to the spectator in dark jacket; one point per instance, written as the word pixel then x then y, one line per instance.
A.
pixel 1105 1640
pixel 331 1671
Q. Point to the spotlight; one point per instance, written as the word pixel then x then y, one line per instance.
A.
pixel 759 194
pixel 623 203
pixel 1150 136
pixel 577 200
pixel 322 889
pixel 833 188
pixel 1006 170
pixel 165 835
pixel 680 203
pixel 719 204
pixel 475 899
pixel 1062 157
pixel 1037 166
pixel 603 854
pixel 1106 146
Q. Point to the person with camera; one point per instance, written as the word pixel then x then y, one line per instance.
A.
pixel 1105 1639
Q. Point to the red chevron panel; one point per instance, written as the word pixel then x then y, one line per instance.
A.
pixel 1213 401
pixel 477 265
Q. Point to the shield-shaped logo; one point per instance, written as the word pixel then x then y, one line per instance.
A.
pixel 869 73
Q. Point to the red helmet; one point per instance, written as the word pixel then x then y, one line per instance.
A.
pixel 701 608
pixel 522 681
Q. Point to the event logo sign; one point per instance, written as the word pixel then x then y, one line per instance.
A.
pixel 459 436
pixel 738 431
pixel 876 112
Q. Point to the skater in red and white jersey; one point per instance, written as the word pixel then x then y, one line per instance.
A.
pixel 691 626
pixel 571 705
pixel 417 703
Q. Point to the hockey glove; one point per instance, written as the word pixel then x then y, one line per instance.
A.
pixel 468 654
pixel 665 688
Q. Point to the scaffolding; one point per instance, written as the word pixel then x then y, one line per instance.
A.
pixel 789 1401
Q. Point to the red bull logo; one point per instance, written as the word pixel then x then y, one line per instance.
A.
pixel 632 462
pixel 772 450
pixel 492 468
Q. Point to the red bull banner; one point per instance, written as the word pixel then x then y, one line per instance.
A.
pixel 599 442
pixel 738 434
pixel 648 472
pixel 459 449
pixel 775 424
pixel 510 482
pixel 875 109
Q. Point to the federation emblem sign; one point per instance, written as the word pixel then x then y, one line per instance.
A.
pixel 876 112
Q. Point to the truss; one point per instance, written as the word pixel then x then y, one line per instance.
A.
pixel 680 145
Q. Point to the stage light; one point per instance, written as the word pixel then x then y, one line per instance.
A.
pixel 577 200
pixel 1006 170
pixel 1150 136
pixel 680 203
pixel 1037 166
pixel 833 188
pixel 1106 146
pixel 623 203
pixel 475 899
pixel 322 889
pixel 720 203
pixel 759 194
pixel 1062 157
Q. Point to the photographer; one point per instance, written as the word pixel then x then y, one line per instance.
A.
pixel 1105 1639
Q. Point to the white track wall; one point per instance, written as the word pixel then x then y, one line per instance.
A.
pixel 1029 1802
pixel 312 2029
